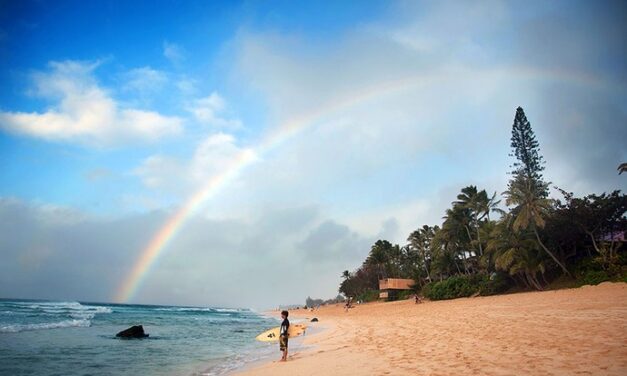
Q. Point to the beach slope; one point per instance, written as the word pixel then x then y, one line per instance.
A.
pixel 579 331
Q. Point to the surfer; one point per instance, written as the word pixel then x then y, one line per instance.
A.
pixel 285 325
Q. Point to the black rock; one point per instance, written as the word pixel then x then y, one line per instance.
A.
pixel 315 319
pixel 136 331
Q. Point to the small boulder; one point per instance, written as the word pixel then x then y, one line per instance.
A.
pixel 315 319
pixel 136 331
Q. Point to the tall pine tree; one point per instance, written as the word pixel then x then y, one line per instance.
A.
pixel 529 163
pixel 527 192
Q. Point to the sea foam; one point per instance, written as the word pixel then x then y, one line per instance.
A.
pixel 16 328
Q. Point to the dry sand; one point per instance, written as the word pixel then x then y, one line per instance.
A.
pixel 566 332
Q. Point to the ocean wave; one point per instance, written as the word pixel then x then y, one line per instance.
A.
pixel 74 314
pixel 202 309
pixel 232 310
pixel 52 305
pixel 83 316
pixel 16 328
pixel 193 309
pixel 11 313
pixel 99 309
pixel 65 307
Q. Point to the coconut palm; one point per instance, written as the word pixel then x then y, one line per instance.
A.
pixel 531 209
pixel 346 274
pixel 421 241
pixel 480 206
pixel 456 235
pixel 379 257
pixel 515 253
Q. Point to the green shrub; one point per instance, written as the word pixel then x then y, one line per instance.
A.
pixel 463 286
pixel 589 264
pixel 452 287
pixel 497 283
pixel 405 294
pixel 594 277
pixel 369 296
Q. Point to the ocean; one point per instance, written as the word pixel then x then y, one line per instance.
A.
pixel 78 338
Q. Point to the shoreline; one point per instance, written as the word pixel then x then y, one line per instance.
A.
pixel 557 332
pixel 297 345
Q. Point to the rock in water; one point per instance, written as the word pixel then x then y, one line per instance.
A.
pixel 315 319
pixel 136 331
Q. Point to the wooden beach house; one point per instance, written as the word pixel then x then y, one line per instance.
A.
pixel 390 287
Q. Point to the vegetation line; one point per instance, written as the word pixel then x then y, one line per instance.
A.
pixel 535 243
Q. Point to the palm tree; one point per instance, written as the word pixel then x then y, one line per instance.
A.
pixel 480 206
pixel 444 262
pixel 346 274
pixel 492 206
pixel 455 234
pixel 421 241
pixel 379 257
pixel 531 207
pixel 515 253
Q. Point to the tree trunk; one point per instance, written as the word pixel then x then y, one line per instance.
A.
pixel 529 283
pixel 470 237
pixel 479 241
pixel 537 282
pixel 465 262
pixel 524 281
pixel 457 266
pixel 594 244
pixel 535 231
pixel 424 258
pixel 533 282
pixel 478 236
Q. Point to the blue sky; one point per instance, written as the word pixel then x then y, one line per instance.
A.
pixel 113 113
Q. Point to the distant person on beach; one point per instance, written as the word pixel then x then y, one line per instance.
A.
pixel 348 304
pixel 285 325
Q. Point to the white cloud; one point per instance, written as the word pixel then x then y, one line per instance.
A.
pixel 187 86
pixel 212 156
pixel 382 115
pixel 85 112
pixel 159 171
pixel 210 110
pixel 173 52
pixel 145 80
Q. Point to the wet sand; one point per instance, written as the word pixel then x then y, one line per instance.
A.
pixel 579 331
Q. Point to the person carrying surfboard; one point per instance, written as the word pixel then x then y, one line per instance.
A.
pixel 283 336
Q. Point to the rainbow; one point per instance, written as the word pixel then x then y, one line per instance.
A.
pixel 149 256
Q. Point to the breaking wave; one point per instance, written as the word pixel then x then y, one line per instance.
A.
pixel 16 328
pixel 199 309
pixel 54 314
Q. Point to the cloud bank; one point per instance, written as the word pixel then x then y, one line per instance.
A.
pixel 59 253
pixel 84 112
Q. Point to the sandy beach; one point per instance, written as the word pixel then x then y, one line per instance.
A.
pixel 579 331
